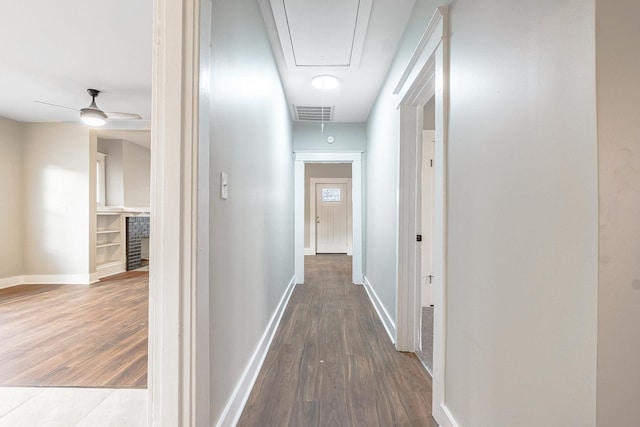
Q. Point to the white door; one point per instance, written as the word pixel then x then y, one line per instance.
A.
pixel 428 138
pixel 331 218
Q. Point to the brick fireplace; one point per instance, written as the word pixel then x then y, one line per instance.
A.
pixel 137 229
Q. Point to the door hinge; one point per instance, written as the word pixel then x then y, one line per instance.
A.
pixel 419 238
pixel 431 162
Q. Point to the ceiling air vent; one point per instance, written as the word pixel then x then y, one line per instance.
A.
pixel 314 114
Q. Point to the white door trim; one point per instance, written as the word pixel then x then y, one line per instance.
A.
pixel 355 158
pixel 312 210
pixel 173 320
pixel 426 75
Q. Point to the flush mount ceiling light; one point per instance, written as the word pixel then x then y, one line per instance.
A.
pixel 325 82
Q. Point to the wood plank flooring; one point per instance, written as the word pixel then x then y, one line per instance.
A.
pixel 75 335
pixel 332 364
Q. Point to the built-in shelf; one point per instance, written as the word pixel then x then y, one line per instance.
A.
pixel 108 245
pixel 109 242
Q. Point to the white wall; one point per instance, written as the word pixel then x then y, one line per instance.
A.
pixel 307 136
pixel 319 170
pixel 128 173
pixel 619 289
pixel 57 198
pixel 11 210
pixel 114 170
pixel 252 259
pixel 137 175
pixel 523 214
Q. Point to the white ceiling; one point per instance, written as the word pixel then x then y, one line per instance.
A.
pixel 52 51
pixel 355 40
pixel 140 137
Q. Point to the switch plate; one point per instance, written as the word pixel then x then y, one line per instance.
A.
pixel 224 186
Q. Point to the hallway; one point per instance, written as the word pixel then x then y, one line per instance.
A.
pixel 331 362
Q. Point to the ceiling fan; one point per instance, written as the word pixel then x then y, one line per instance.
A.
pixel 94 116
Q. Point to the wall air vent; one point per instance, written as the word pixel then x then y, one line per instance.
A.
pixel 314 114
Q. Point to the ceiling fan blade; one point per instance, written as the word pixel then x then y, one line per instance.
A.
pixel 56 105
pixel 123 116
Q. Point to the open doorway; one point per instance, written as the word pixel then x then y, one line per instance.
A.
pixel 425 77
pixel 328 209
pixel 335 163
pixel 425 261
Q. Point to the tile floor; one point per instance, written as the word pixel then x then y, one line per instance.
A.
pixel 72 407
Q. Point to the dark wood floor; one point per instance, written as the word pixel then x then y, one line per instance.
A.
pixel 332 363
pixel 74 335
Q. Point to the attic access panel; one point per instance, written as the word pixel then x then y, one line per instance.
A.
pixel 322 33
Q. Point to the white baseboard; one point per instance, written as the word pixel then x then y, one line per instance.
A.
pixel 109 269
pixel 383 314
pixel 58 279
pixel 443 416
pixel 50 279
pixel 94 278
pixel 309 251
pixel 235 405
pixel 8 282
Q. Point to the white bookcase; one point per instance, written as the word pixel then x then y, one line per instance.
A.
pixel 110 243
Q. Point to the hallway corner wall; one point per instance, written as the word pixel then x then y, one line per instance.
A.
pixel 381 162
pixel 618 67
pixel 12 212
pixel 252 232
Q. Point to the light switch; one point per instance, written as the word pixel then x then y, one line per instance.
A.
pixel 224 188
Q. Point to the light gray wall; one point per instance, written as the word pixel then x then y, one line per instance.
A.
pixel 381 169
pixel 307 136
pixel 251 238
pixel 619 289
pixel 11 212
pixel 58 198
pixel 319 170
pixel 429 115
pixel 522 210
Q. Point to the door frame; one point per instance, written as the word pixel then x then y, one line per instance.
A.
pixel 312 211
pixel 355 158
pixel 426 75
pixel 424 209
pixel 178 373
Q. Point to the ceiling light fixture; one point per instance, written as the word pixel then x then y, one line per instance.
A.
pixel 325 82
pixel 92 115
